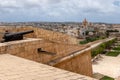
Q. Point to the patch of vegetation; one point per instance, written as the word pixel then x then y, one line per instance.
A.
pixel 117 48
pixel 100 49
pixel 89 39
pixel 111 53
pixel 83 42
pixel 109 31
pixel 107 78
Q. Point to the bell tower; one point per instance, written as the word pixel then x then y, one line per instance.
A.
pixel 85 23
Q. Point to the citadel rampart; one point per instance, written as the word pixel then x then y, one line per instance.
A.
pixel 46 46
pixel 28 49
pixel 42 33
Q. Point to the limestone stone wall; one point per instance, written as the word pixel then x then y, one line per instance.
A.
pixel 59 44
pixel 55 36
pixel 42 33
pixel 79 64
pixel 28 49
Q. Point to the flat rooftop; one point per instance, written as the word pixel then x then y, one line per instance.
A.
pixel 16 68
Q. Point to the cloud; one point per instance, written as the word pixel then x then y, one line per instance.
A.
pixel 58 9
pixel 66 6
pixel 116 3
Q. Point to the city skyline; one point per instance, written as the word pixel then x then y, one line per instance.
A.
pixel 60 10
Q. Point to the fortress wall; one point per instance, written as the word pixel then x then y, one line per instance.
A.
pixel 42 33
pixel 55 36
pixel 53 42
pixel 79 64
pixel 2 49
pixel 28 49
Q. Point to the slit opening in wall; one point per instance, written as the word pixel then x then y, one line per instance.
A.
pixel 41 51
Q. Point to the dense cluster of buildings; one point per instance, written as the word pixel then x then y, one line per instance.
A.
pixel 75 29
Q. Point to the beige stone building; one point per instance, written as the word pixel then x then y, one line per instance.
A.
pixel 86 27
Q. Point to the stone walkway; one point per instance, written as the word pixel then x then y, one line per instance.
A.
pixel 15 68
pixel 109 66
pixel 118 56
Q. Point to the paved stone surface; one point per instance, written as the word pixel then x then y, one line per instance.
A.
pixel 118 56
pixel 15 68
pixel 109 66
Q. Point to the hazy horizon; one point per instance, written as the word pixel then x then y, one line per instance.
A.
pixel 55 22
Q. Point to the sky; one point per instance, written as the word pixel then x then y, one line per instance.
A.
pixel 107 11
